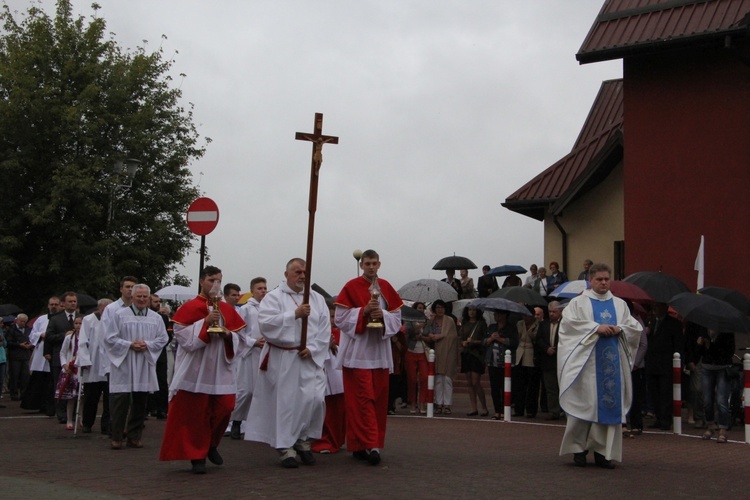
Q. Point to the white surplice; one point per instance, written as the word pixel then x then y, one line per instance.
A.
pixel 247 360
pixel 200 367
pixel 132 371
pixel 38 363
pixel 289 396
pixel 92 353
pixel 365 350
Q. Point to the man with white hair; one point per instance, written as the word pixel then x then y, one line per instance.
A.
pixel 135 336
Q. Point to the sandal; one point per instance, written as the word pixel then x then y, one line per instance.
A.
pixel 496 416
pixel 438 410
pixel 627 434
pixel 447 411
pixel 709 434
pixel 721 439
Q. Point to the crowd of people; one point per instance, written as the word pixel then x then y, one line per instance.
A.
pixel 306 375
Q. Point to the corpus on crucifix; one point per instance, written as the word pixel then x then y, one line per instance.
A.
pixel 318 139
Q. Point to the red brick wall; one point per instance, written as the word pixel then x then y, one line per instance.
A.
pixel 687 165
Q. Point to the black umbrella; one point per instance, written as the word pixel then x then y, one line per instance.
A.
pixel 411 314
pixel 8 309
pixel 661 287
pixel 321 291
pixel 85 300
pixel 506 270
pixel 709 312
pixel 498 304
pixel 454 262
pixel 729 296
pixel 520 294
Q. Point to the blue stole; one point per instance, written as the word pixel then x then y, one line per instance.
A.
pixel 608 383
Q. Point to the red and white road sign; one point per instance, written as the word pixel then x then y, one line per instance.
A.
pixel 203 216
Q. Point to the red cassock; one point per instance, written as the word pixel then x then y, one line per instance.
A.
pixel 197 421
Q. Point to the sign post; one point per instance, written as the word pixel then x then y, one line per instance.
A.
pixel 202 218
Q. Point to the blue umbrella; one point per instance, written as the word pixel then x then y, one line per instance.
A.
pixel 506 270
pixel 570 289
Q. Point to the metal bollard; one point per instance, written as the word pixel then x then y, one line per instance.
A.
pixel 677 393
pixel 506 396
pixel 746 395
pixel 431 383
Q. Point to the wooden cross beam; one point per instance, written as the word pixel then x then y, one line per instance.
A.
pixel 318 139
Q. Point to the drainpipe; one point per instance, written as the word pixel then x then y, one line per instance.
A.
pixel 564 243
pixel 733 49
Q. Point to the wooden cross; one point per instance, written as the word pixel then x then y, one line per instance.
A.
pixel 318 139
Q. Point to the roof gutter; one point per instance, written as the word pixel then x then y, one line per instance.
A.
pixel 564 241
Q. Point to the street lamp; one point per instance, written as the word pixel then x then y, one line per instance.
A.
pixel 357 254
pixel 123 179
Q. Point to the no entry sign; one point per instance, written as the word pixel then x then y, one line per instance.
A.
pixel 202 216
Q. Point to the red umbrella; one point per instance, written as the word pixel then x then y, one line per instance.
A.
pixel 629 291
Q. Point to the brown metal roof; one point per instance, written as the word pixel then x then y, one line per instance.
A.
pixel 625 27
pixel 602 128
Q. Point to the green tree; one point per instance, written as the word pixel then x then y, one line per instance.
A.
pixel 73 104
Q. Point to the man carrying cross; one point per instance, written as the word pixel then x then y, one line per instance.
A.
pixel 288 407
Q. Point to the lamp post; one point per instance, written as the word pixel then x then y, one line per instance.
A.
pixel 123 170
pixel 357 254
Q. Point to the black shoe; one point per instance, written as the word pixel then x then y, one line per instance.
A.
pixel 531 415
pixel 236 432
pixel 306 457
pixel 86 430
pixel 289 463
pixel 579 459
pixel 361 455
pixel 199 466
pixel 655 425
pixel 603 462
pixel 373 457
pixel 160 415
pixel 214 457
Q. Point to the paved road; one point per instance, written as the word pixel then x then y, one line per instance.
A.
pixel 449 457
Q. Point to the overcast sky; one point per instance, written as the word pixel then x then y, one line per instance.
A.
pixel 442 109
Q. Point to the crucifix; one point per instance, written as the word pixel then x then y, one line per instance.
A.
pixel 318 139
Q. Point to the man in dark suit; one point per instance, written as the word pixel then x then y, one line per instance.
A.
pixel 665 339
pixel 58 327
pixel 546 349
pixel 486 284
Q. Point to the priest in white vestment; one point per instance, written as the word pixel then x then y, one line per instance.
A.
pixel 134 339
pixel 598 339
pixel 288 406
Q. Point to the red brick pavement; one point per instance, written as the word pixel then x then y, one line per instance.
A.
pixel 451 457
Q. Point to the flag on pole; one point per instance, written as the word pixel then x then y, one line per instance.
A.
pixel 700 264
